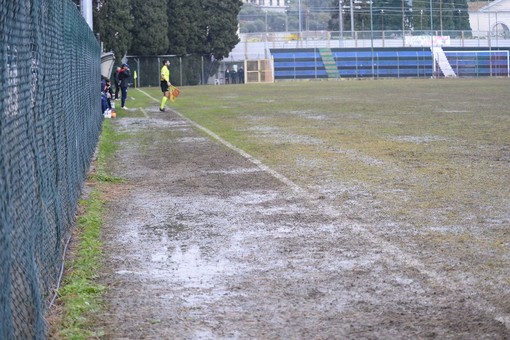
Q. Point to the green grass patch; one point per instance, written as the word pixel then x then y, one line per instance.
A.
pixel 426 154
pixel 429 155
pixel 436 151
pixel 80 294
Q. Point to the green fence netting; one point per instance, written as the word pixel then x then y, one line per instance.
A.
pixel 50 120
pixel 184 71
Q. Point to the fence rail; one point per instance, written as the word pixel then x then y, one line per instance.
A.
pixel 257 45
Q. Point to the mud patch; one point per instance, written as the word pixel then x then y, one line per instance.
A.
pixel 421 139
pixel 205 245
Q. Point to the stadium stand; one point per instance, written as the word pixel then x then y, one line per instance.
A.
pixel 319 63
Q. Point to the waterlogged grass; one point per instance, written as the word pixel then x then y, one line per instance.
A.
pixel 80 295
pixel 430 155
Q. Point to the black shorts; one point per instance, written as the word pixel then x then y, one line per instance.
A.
pixel 164 86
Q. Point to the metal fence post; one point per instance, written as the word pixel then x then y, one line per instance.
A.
pixel 180 68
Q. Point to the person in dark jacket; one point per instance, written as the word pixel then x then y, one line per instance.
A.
pixel 227 76
pixel 124 75
pixel 117 83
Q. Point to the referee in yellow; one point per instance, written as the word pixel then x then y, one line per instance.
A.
pixel 165 83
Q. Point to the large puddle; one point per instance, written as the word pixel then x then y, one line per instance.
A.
pixel 203 245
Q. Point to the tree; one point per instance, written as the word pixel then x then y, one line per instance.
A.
pixel 203 27
pixel 460 15
pixel 150 27
pixel 183 30
pixel 446 14
pixel 220 27
pixel 386 15
pixel 253 19
pixel 113 22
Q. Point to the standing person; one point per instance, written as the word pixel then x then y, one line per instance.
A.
pixel 107 90
pixel 165 83
pixel 124 75
pixel 240 75
pixel 104 99
pixel 117 83
pixel 233 74
pixel 227 76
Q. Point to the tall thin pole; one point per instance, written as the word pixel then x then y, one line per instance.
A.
pixel 431 23
pixel 340 22
pixel 372 37
pixel 431 27
pixel 403 15
pixel 299 14
pixel 403 25
pixel 352 20
pixel 441 16
pixel 86 11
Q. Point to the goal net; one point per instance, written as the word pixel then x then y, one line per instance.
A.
pixel 479 63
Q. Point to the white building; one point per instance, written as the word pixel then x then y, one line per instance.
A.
pixel 491 17
pixel 271 5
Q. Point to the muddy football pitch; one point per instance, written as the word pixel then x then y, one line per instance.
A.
pixel 311 210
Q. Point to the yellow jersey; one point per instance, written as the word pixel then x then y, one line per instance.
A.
pixel 165 74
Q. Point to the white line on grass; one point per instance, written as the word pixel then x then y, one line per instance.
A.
pixel 252 159
pixel 395 252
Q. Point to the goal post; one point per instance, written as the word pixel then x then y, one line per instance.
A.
pixel 492 63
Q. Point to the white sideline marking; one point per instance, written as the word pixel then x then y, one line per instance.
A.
pixel 296 188
pixel 387 247
pixel 252 159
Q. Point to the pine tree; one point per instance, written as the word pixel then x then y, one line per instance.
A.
pixel 150 27
pixel 203 27
pixel 447 15
pixel 184 26
pixel 113 22
pixel 220 27
pixel 461 16
pixel 386 14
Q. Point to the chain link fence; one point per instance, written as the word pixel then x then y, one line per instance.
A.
pixel 189 70
pixel 50 121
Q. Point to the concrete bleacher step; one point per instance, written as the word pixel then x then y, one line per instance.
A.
pixel 442 61
pixel 329 62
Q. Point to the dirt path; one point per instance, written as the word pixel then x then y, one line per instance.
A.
pixel 204 244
